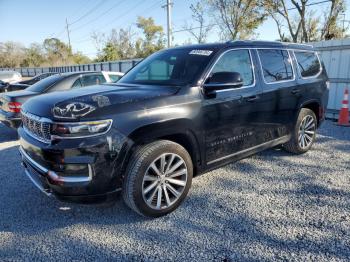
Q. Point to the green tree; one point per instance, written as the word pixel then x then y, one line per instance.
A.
pixel 238 19
pixel 153 37
pixel 118 45
pixel 79 58
pixel 109 53
pixel 57 52
pixel 11 54
pixel 34 56
pixel 331 27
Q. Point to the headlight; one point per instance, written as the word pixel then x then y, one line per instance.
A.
pixel 81 129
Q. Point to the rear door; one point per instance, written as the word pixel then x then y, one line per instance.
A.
pixel 311 82
pixel 280 92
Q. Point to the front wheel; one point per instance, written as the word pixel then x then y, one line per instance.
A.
pixel 158 178
pixel 304 133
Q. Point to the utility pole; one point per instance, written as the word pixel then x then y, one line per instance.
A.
pixel 67 28
pixel 169 24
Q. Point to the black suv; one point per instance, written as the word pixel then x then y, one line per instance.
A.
pixel 177 114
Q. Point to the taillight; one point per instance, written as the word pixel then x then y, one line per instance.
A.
pixel 14 107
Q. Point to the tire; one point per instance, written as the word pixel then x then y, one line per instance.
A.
pixel 141 175
pixel 304 133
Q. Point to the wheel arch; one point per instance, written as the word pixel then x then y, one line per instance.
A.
pixel 178 131
pixel 313 105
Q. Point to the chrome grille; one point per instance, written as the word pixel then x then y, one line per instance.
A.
pixel 36 127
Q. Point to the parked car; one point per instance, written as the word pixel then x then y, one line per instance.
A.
pixel 10 76
pixel 112 76
pixel 11 102
pixel 179 113
pixel 3 86
pixel 25 83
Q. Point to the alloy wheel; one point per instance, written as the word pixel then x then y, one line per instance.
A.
pixel 164 181
pixel 306 132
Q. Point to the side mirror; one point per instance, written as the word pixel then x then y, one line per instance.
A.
pixel 222 81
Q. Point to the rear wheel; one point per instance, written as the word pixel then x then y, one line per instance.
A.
pixel 158 178
pixel 304 133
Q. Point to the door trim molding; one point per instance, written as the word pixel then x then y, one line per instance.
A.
pixel 263 145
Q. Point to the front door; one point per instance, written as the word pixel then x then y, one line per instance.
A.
pixel 229 117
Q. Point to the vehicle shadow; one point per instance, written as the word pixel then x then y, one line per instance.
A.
pixel 7 134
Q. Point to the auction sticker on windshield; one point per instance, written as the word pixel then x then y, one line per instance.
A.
pixel 201 52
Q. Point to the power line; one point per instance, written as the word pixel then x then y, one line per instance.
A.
pixel 65 27
pixel 98 17
pixel 79 9
pixel 88 37
pixel 99 4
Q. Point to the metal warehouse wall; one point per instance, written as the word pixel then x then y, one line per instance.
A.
pixel 336 57
pixel 120 66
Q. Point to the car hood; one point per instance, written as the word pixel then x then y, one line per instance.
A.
pixel 90 102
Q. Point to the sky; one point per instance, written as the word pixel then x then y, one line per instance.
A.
pixel 29 21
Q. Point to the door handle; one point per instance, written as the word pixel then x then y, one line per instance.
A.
pixel 295 91
pixel 252 98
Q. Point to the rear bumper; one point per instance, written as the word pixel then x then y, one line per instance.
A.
pixel 10 119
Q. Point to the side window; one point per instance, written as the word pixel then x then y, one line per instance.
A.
pixel 236 61
pixel 308 63
pixel 114 78
pixel 276 65
pixel 101 78
pixel 89 80
pixel 61 86
pixel 76 84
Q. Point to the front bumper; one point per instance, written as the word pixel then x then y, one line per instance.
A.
pixel 72 170
pixel 10 119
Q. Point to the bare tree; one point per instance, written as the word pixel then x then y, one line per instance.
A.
pixel 305 25
pixel 200 29
pixel 279 12
pixel 237 18
pixel 330 27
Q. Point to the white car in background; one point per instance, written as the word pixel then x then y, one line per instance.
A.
pixel 10 77
pixel 112 77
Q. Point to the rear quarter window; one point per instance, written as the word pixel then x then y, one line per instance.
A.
pixel 308 63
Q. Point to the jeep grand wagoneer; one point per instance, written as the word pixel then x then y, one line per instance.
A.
pixel 177 114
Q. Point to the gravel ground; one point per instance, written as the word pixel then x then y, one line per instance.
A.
pixel 270 207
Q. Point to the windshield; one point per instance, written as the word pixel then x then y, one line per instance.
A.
pixel 42 85
pixel 174 67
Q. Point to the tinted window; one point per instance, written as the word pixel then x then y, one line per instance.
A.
pixel 42 85
pixel 276 65
pixel 76 84
pixel 114 78
pixel 172 67
pixel 88 80
pixel 236 61
pixel 308 63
